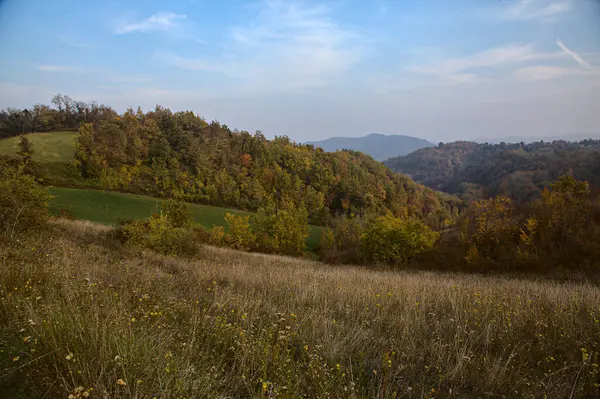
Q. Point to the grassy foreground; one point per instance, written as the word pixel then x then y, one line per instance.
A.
pixel 81 315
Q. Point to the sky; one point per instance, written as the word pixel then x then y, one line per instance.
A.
pixel 442 70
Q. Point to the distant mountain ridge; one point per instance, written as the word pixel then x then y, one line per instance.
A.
pixel 379 146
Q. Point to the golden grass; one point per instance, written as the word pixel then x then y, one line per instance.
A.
pixel 83 316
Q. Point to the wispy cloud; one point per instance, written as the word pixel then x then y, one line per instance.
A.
pixel 573 54
pixel 288 46
pixel 534 9
pixel 550 72
pixel 69 69
pixel 109 76
pixel 74 42
pixel 546 72
pixel 462 69
pixel 162 21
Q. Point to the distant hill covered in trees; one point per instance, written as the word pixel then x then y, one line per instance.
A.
pixel 379 146
pixel 519 170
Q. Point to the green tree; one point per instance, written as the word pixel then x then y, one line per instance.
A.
pixel 281 230
pixel 393 240
pixel 240 235
pixel 488 228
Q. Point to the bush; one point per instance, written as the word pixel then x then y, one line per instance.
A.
pixel 281 230
pixel 177 213
pixel 217 236
pixel 23 203
pixel 134 232
pixel 489 226
pixel 201 234
pixel 240 235
pixel 393 240
pixel 158 234
pixel 344 246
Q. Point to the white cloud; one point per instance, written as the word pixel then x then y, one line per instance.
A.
pixel 108 75
pixel 74 42
pixel 454 69
pixel 162 21
pixel 573 54
pixel 541 73
pixel 191 64
pixel 546 72
pixel 534 9
pixel 288 46
pixel 462 78
pixel 68 69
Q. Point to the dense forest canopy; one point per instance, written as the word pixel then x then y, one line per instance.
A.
pixel 180 155
pixel 518 170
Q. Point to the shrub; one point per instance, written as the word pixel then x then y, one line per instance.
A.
pixel 217 236
pixel 344 246
pixel 240 235
pixel 489 226
pixel 134 232
pixel 201 234
pixel 23 203
pixel 25 149
pixel 393 240
pixel 281 230
pixel 177 213
pixel 158 234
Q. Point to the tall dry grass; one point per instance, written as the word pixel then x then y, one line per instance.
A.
pixel 82 316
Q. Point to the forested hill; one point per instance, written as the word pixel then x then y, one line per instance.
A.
pixel 519 170
pixel 180 155
pixel 379 146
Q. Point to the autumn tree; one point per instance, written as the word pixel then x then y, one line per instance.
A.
pixel 25 148
pixel 393 240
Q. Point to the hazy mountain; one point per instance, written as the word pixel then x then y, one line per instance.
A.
pixel 379 146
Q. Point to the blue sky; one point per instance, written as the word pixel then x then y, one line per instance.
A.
pixel 438 69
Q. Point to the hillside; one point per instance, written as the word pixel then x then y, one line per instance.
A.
pixel 168 154
pixel 474 170
pixel 82 314
pixel 379 146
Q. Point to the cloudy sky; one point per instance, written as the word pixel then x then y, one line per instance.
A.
pixel 438 69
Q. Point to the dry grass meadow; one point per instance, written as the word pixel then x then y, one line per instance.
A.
pixel 82 316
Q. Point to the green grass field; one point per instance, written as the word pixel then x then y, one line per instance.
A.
pixel 47 147
pixel 108 207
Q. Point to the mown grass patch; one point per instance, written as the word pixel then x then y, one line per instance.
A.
pixel 48 147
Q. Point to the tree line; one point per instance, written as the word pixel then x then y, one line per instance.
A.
pixel 67 114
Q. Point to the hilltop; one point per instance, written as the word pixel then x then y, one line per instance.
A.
pixel 379 146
